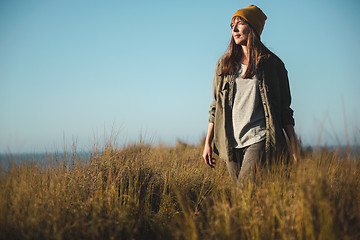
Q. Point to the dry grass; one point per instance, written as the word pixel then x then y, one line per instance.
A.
pixel 144 192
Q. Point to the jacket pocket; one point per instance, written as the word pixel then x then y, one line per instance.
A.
pixel 222 98
pixel 225 86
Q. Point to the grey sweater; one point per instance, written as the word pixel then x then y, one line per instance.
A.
pixel 248 115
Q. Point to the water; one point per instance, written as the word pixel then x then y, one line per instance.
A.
pixel 40 159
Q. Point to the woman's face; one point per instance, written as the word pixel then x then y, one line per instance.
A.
pixel 240 31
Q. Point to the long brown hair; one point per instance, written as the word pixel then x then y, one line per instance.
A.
pixel 232 58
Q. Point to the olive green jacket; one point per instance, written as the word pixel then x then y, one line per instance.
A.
pixel 275 95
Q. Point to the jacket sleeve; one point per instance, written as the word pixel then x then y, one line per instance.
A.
pixel 286 111
pixel 214 93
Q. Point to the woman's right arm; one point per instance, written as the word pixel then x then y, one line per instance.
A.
pixel 207 154
pixel 207 148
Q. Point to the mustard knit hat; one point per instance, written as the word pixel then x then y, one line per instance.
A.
pixel 254 16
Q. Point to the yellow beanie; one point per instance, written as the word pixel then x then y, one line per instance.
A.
pixel 254 16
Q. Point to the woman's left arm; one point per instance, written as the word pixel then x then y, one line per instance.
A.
pixel 287 113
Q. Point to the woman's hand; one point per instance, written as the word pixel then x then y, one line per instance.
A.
pixel 294 158
pixel 295 147
pixel 207 155
pixel 208 149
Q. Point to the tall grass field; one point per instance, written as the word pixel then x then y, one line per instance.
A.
pixel 142 191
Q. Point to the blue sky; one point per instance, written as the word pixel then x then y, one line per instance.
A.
pixel 81 70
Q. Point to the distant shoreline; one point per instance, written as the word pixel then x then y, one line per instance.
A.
pixel 352 148
pixel 44 159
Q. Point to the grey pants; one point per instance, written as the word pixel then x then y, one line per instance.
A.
pixel 245 160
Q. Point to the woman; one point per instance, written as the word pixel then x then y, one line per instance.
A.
pixel 251 101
